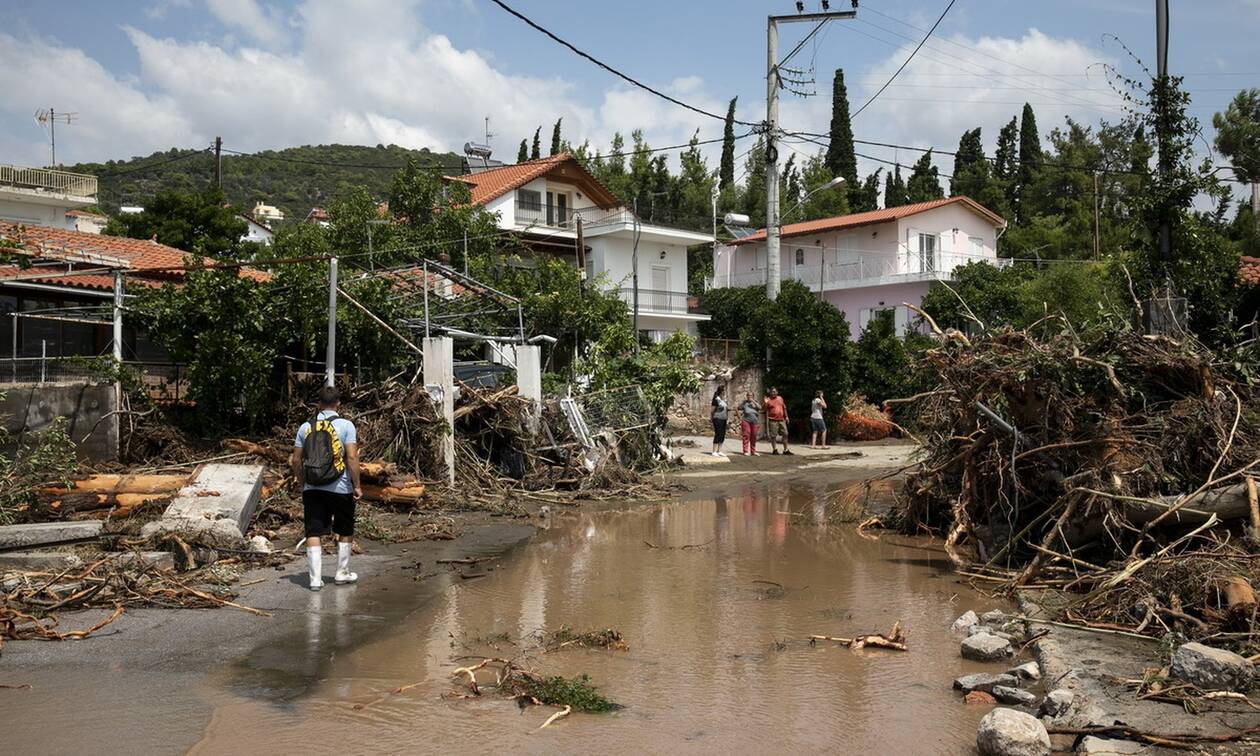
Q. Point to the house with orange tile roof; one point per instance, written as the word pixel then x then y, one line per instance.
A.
pixel 544 202
pixel 44 196
pixel 870 264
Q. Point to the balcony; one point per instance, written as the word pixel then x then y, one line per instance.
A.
pixel 48 181
pixel 538 214
pixel 657 302
pixel 862 270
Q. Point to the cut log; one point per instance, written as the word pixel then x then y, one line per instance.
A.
pixel 1240 598
pixel 1227 503
pixel 393 495
pixel 377 472
pixel 258 450
pixel 128 484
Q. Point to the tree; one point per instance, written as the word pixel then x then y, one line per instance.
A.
pixel 866 196
pixel 522 154
pixel 882 367
pixel 991 294
pixel 924 183
pixel 822 203
pixel 1005 159
pixel 895 188
pixel 535 150
pixel 754 199
pixel 555 138
pixel 1238 139
pixel 201 223
pixel 841 159
pixel 726 169
pixel 1029 162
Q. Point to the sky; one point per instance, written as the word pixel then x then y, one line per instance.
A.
pixel 148 75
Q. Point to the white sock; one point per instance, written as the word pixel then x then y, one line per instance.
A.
pixel 343 556
pixel 315 562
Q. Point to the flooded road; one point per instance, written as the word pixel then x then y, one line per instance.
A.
pixel 715 598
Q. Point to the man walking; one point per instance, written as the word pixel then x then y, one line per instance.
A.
pixel 325 462
pixel 776 421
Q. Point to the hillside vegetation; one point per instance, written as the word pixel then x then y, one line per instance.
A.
pixel 294 179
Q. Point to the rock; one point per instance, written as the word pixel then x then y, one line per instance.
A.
pixel 260 545
pixel 1098 746
pixel 1211 668
pixel 1006 732
pixel 965 622
pixel 50 561
pixel 985 647
pixel 996 618
pixel 979 697
pixel 1057 702
pixel 1015 696
pixel 987 630
pixel 984 681
pixel 1029 671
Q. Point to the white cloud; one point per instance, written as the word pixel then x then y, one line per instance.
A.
pixel 260 23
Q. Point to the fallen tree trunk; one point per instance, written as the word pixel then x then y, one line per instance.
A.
pixel 1227 503
pixel 120 484
pixel 393 495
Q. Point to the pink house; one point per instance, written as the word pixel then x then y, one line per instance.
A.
pixel 870 262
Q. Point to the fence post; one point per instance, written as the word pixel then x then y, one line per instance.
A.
pixel 43 361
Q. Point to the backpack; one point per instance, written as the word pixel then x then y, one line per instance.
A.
pixel 323 457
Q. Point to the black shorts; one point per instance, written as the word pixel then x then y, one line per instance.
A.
pixel 818 424
pixel 325 511
pixel 719 431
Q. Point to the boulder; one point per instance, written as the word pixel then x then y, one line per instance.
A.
pixel 996 618
pixel 1029 671
pixel 1057 702
pixel 1014 696
pixel 986 647
pixel 1098 746
pixel 1006 732
pixel 984 681
pixel 963 623
pixel 1211 668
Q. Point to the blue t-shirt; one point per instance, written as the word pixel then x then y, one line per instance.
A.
pixel 346 432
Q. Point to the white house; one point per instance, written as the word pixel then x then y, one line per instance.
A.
pixel 544 200
pixel 44 197
pixel 870 262
pixel 88 223
pixel 267 213
pixel 256 231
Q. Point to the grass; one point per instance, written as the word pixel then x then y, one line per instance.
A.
pixel 576 692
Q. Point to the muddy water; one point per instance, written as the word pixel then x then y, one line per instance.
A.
pixel 718 659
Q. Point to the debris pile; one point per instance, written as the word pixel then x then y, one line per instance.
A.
pixel 863 421
pixel 1106 463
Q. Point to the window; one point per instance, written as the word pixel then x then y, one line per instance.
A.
pixel 977 246
pixel 927 252
pixel 800 257
pixel 529 199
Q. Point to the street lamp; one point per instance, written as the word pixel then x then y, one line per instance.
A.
pixel 832 184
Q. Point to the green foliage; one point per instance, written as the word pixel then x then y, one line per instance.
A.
pixel 882 365
pixel 924 183
pixel 1029 159
pixel 726 170
pixel 895 188
pixel 200 223
pixel 294 179
pixel 522 155
pixel 576 692
pixel 866 197
pixel 556 141
pixel 991 293
pixel 730 311
pixel 40 459
pixel 1238 134
pixel 661 370
pixel 841 160
pixel 535 149
pixel 821 204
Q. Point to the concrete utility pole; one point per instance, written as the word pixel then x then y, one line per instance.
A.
pixel 330 354
pixel 1161 60
pixel 634 265
pixel 218 162
pixel 773 83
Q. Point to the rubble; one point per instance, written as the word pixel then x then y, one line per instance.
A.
pixel 1009 695
pixel 1057 703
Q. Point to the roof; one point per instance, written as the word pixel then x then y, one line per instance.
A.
pixel 872 217
pixel 496 182
pixel 254 222
pixel 316 215
pixel 98 282
pixel 1249 270
pixel 82 214
pixel 143 258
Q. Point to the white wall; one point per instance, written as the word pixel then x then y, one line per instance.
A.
pixel 611 256
pixel 954 225
pixel 33 214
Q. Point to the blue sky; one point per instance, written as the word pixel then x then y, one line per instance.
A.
pixel 152 74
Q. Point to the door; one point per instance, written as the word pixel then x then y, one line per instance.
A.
pixel 660 288
pixel 927 253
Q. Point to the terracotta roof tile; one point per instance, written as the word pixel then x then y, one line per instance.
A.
pixel 856 220
pixel 1249 270
pixel 496 182
pixel 86 281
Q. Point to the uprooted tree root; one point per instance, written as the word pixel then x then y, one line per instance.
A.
pixel 895 640
pixel 527 687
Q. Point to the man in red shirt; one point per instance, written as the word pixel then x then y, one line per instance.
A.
pixel 776 420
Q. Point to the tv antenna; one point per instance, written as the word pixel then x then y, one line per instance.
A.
pixel 49 118
pixel 488 133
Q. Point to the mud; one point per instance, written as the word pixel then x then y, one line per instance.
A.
pixel 715 597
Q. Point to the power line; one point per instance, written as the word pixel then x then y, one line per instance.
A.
pixel 325 163
pixel 612 70
pixel 150 166
pixel 906 62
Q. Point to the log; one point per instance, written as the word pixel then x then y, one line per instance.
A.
pixel 393 495
pixel 1253 501
pixel 1227 503
pixel 121 484
pixel 258 450
pixel 377 472
pixel 1240 598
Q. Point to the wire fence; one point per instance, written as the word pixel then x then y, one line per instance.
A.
pixel 162 381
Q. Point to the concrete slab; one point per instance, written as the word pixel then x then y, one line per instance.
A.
pixel 38 561
pixel 702 459
pixel 219 494
pixel 14 537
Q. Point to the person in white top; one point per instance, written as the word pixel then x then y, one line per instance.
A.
pixel 818 423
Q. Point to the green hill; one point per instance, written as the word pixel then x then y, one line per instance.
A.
pixel 294 179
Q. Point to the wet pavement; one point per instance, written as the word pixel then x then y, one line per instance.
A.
pixel 715 597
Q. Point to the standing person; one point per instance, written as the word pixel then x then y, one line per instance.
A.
pixel 325 462
pixel 718 416
pixel 818 424
pixel 749 416
pixel 776 421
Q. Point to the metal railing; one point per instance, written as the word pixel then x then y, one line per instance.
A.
pixel 48 180
pixel 656 301
pixel 162 381
pixel 539 214
pixel 717 350
pixel 862 270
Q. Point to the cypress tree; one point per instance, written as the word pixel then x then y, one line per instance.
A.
pixel 924 183
pixel 555 138
pixel 840 157
pixel 523 154
pixel 894 188
pixel 726 169
pixel 971 169
pixel 535 151
pixel 1029 160
pixel 866 196
pixel 1004 158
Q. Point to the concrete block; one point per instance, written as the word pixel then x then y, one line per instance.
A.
pixel 27 409
pixel 702 459
pixel 38 561
pixel 219 493
pixel 163 560
pixel 44 533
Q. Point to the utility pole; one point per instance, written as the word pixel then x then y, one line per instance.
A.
pixel 118 336
pixel 1095 214
pixel 330 355
pixel 218 162
pixel 773 83
pixel 634 265
pixel 1161 120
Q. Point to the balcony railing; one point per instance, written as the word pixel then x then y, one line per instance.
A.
pixel 654 301
pixel 863 270
pixel 48 180
pixel 538 214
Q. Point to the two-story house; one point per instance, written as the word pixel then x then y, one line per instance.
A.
pixel 45 197
pixel 867 263
pixel 543 202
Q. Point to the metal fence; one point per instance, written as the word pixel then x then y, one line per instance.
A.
pixel 77 184
pixel 717 350
pixel 162 381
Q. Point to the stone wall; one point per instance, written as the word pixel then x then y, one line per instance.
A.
pixel 693 409
pixel 32 407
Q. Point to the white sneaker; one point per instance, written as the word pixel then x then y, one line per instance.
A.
pixel 341 578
